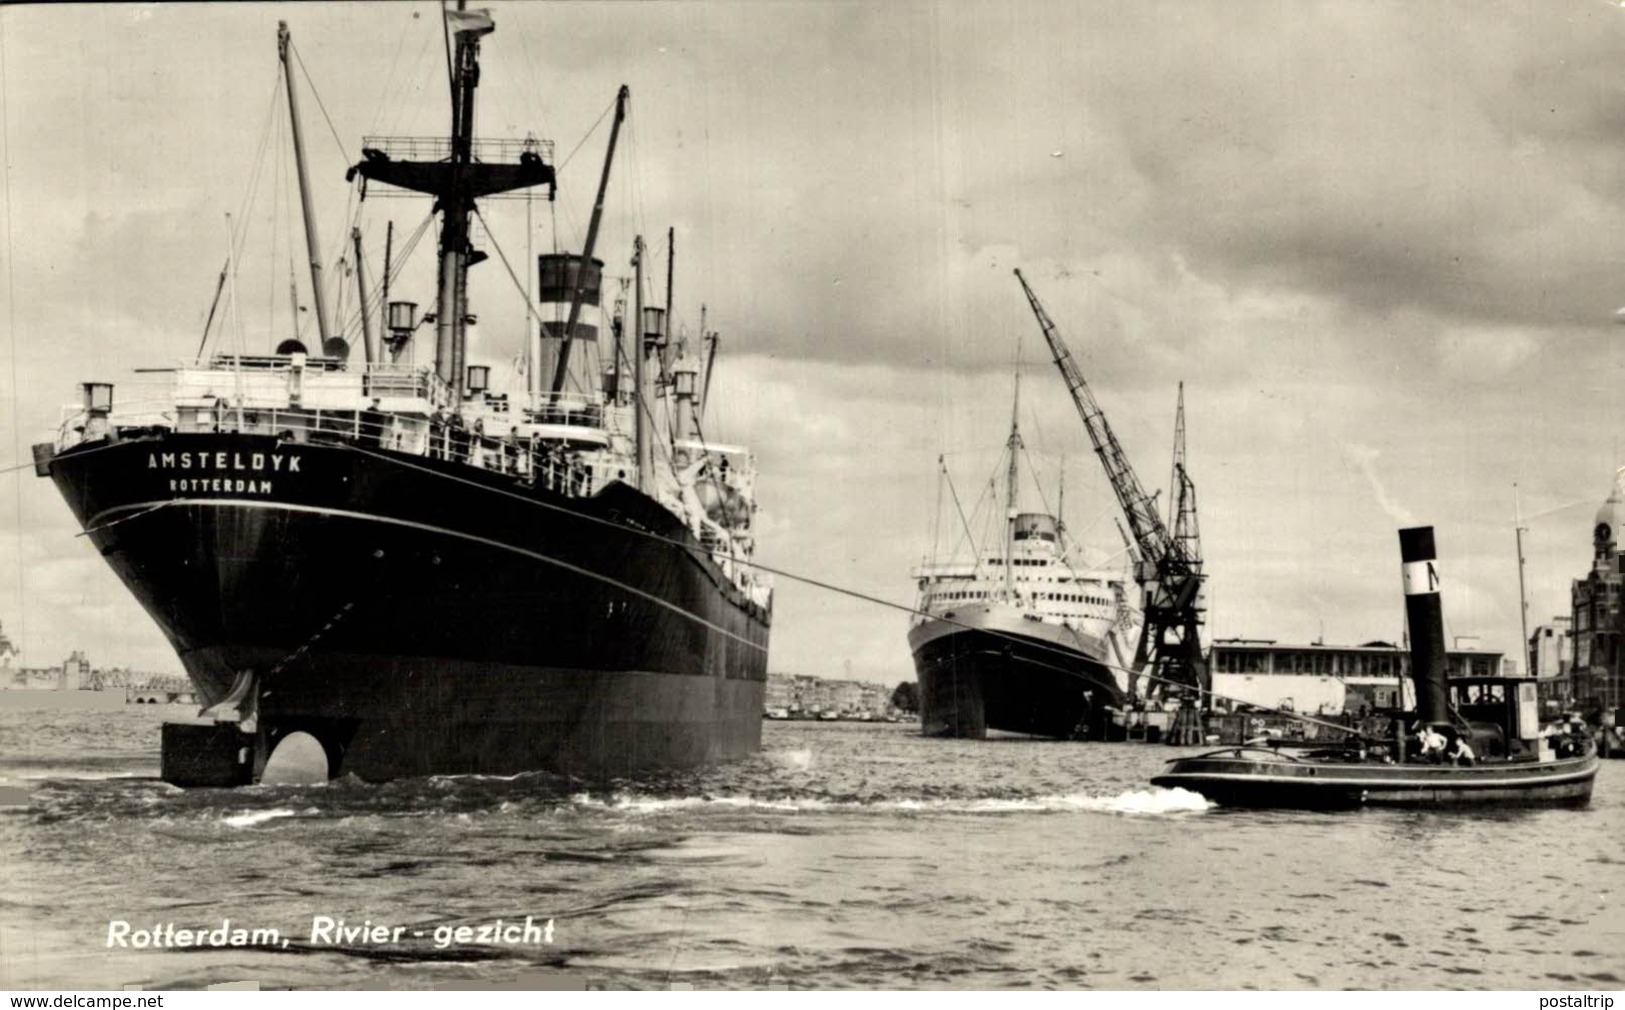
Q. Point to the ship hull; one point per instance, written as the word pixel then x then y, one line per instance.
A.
pixel 989 668
pixel 423 617
pixel 1249 777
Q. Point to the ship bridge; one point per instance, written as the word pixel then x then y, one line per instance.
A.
pixel 1037 526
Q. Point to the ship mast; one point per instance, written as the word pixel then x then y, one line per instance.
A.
pixel 455 183
pixel 283 43
pixel 1010 486
pixel 457 210
pixel 1523 600
pixel 369 339
pixel 640 403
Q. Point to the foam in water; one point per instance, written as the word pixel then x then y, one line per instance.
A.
pixel 1135 801
pixel 1157 800
pixel 253 817
pixel 799 759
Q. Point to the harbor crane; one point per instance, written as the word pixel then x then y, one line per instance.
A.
pixel 1168 564
pixel 1182 505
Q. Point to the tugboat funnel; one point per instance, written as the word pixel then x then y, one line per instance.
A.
pixel 1425 617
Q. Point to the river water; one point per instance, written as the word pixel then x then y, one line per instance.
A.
pixel 844 855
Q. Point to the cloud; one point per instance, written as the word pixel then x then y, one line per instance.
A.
pixel 1486 355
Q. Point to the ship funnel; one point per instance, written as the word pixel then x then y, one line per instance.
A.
pixel 1036 526
pixel 1425 618
pixel 560 274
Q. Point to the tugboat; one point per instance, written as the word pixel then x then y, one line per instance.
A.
pixel 1502 756
pixel 418 569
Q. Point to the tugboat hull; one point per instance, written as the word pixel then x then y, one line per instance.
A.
pixel 1260 777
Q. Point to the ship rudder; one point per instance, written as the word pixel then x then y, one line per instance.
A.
pixel 206 755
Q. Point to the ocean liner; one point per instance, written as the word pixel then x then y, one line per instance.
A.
pixel 424 572
pixel 1021 636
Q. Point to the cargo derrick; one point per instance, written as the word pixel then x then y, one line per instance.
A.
pixel 1168 565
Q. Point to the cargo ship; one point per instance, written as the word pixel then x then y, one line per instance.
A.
pixel 421 571
pixel 1021 636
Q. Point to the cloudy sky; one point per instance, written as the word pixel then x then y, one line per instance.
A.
pixel 1381 244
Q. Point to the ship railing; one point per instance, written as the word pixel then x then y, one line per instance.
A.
pixel 271 362
pixel 384 379
pixel 488 149
pixel 171 397
pixel 492 151
pixel 533 461
pixel 413 381
pixel 575 409
pixel 78 424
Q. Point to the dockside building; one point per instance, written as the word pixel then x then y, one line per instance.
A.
pixel 1598 683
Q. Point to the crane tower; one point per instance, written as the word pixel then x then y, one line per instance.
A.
pixel 1169 566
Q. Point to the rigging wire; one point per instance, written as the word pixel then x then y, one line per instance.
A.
pixel 251 193
pixel 590 131
pixel 318 96
pixel 519 286
pixel 530 310
pixel 389 77
pixel 451 74
pixel 570 223
pixel 531 63
pixel 279 184
pixel 976 561
pixel 794 577
pixel 375 295
pixel 674 542
pixel 334 279
pixel 936 517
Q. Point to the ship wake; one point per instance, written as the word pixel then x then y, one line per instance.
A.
pixel 1152 802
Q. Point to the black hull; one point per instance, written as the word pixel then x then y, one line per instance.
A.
pixel 424 617
pixel 975 675
pixel 1249 777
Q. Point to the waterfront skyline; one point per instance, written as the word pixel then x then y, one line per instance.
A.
pixel 1380 245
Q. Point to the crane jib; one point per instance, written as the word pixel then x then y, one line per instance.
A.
pixel 1169 574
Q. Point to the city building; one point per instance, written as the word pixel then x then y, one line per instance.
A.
pixel 1551 663
pixel 1329 680
pixel 75 674
pixel 800 696
pixel 1597 680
